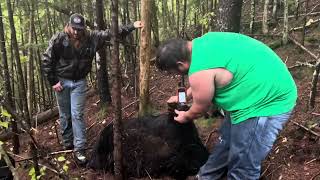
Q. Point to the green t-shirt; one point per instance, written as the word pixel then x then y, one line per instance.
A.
pixel 261 84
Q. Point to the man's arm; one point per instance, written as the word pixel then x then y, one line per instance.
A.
pixel 202 87
pixel 49 59
pixel 123 31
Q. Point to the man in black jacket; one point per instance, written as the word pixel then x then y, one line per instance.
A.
pixel 66 63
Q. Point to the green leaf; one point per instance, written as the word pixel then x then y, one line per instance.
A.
pixel 5 113
pixel 32 172
pixel 61 158
pixel 65 167
pixel 4 124
pixel 43 170
pixel 23 59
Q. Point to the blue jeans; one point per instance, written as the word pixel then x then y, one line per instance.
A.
pixel 71 103
pixel 242 148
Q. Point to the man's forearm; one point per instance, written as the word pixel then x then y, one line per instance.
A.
pixel 195 111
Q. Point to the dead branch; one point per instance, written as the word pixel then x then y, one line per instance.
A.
pixel 305 128
pixel 311 161
pixel 29 159
pixel 67 12
pixel 264 172
pixel 314 177
pixel 314 83
pixel 137 100
pixel 8 162
pixel 301 64
pixel 317 114
pixel 303 47
pixel 308 25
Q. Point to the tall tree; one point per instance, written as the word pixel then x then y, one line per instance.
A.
pixel 31 89
pixel 265 28
pixel 145 54
pixel 22 89
pixel 229 15
pixel 252 15
pixel 305 17
pixel 102 73
pixel 49 29
pixel 178 16
pixel 155 25
pixel 116 93
pixel 274 10
pixel 7 87
pixel 184 20
pixel 285 23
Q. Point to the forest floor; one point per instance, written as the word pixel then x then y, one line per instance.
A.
pixel 296 154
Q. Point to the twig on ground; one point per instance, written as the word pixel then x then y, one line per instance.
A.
pixel 264 172
pixel 314 177
pixel 148 174
pixel 274 170
pixel 305 128
pixel 29 159
pixel 317 114
pixel 8 162
pixel 311 161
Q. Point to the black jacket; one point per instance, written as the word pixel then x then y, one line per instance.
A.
pixel 62 59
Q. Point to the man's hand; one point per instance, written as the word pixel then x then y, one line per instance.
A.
pixel 138 24
pixel 182 116
pixel 58 87
pixel 172 99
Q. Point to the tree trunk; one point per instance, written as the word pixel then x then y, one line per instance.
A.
pixel 178 17
pixel 8 91
pixel 145 54
pixel 285 23
pixel 229 15
pixel 116 94
pixel 30 91
pixel 49 29
pixel 184 23
pixel 297 5
pixel 304 21
pixel 163 14
pixel 102 73
pixel 265 28
pixel 274 10
pixel 41 81
pixel 211 10
pixel 252 15
pixel 155 26
pixel 314 83
pixel 22 89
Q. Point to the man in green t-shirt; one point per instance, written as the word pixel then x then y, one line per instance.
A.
pixel 245 78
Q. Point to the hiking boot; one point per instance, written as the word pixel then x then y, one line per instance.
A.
pixel 80 157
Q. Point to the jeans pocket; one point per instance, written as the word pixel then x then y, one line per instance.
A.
pixel 268 128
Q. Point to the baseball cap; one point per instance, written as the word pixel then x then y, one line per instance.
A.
pixel 77 21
